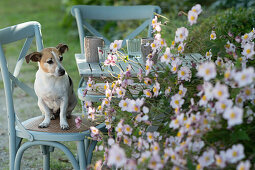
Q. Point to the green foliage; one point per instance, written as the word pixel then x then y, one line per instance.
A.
pixel 234 21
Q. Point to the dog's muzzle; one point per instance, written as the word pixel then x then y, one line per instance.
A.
pixel 61 72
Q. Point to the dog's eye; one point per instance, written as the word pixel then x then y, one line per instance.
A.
pixel 50 62
pixel 60 58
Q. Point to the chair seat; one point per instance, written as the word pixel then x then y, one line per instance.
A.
pixel 54 133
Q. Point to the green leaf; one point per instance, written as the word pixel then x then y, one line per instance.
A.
pixel 190 165
pixel 239 135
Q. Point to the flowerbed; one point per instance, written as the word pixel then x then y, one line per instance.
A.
pixel 202 115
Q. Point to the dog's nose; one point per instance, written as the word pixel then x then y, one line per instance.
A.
pixel 61 72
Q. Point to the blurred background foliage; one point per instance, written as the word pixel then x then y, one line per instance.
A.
pixel 216 16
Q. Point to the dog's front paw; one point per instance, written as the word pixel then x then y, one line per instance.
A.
pixel 43 125
pixel 64 126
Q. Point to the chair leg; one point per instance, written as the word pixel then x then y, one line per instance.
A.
pixel 46 157
pixel 81 154
pixel 90 150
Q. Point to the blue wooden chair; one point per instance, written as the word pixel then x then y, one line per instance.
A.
pixel 47 138
pixel 83 13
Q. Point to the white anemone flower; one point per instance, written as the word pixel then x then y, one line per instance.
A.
pixel 234 116
pixel 207 70
pixel 248 50
pixel 220 91
pixel 207 158
pixel 220 159
pixel 244 165
pixel 197 9
pixel 176 101
pixel 222 105
pixel 181 34
pixel 166 57
pixel 235 154
pixel 245 77
pixel 192 17
pixel 116 156
pixel 213 35
pixel 184 73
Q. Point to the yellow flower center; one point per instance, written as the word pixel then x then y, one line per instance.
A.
pixel 99 107
pixel 207 71
pixel 181 36
pixel 192 18
pixel 176 102
pixel 239 100
pixel 223 106
pixel 154 89
pixel 194 10
pixel 234 154
pixel 247 92
pixel 182 73
pixel 204 98
pixel 242 167
pixel 198 167
pixel 147 67
pixel 179 134
pixel 148 93
pixel 212 36
pixel 243 77
pixel 136 108
pixel 153 21
pixel 165 56
pixel 105 87
pixel 115 46
pixel 219 93
pixel 179 48
pixel 106 102
pixel 219 161
pixel 180 92
pixel 248 51
pixel 153 163
pixel 173 42
pixel 207 158
pixel 227 46
pixel 162 42
pixel 176 121
pixel 118 158
pixel 125 141
pixel 125 104
pixel 153 45
pixel 227 75
pixel 207 53
pixel 120 92
pixel 90 84
pixel 128 129
pixel 232 115
pixel 245 36
pixel 174 68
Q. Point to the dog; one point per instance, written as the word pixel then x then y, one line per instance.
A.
pixel 53 86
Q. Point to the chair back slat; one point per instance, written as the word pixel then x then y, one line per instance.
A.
pixel 23 86
pixel 22 55
pixel 93 31
pixel 82 13
pixel 116 12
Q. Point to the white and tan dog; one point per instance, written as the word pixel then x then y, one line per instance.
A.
pixel 53 86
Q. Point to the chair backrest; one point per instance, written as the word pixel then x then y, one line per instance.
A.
pixel 82 13
pixel 26 31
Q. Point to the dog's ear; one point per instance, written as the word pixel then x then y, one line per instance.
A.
pixel 35 57
pixel 62 48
